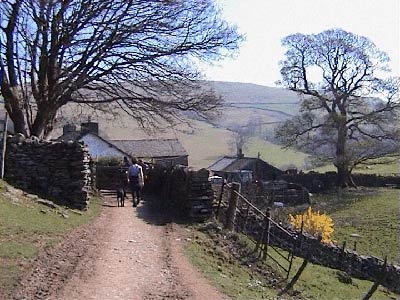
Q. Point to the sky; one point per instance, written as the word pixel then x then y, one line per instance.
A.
pixel 266 22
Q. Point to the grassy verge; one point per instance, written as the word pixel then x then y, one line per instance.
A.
pixel 370 213
pixel 27 227
pixel 212 255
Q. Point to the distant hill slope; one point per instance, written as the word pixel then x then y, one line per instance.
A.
pixel 207 141
pixel 236 92
pixel 245 102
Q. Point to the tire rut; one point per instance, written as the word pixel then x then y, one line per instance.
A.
pixel 172 288
pixel 126 253
pixel 53 267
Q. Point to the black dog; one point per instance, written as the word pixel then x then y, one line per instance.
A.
pixel 121 197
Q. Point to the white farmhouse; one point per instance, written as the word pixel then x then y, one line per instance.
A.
pixel 158 151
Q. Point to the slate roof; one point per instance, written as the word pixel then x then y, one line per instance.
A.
pixel 76 136
pixel 232 164
pixel 70 136
pixel 151 147
pixel 145 148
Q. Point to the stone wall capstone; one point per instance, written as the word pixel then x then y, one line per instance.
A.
pixel 60 171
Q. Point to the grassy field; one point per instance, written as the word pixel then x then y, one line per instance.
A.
pixel 386 169
pixel 206 144
pixel 274 154
pixel 371 214
pixel 26 228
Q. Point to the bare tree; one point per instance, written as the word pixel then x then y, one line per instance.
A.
pixel 335 72
pixel 137 55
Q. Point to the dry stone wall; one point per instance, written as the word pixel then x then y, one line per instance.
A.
pixel 329 255
pixel 317 182
pixel 182 191
pixel 60 171
pixel 201 195
pixel 333 256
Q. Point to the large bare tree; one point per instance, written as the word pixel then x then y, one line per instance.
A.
pixel 139 55
pixel 337 73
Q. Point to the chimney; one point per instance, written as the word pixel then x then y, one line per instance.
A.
pixel 240 153
pixel 69 128
pixel 90 127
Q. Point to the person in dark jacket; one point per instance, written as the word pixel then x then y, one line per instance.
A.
pixel 136 181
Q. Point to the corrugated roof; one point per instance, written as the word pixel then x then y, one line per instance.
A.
pixel 221 164
pixel 233 164
pixel 151 148
pixel 239 164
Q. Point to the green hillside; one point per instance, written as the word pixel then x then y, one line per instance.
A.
pixel 244 102
pixel 274 154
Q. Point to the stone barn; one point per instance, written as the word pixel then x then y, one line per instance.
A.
pixel 241 168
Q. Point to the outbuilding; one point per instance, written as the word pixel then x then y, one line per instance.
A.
pixel 240 168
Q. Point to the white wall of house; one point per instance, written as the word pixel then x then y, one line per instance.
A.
pixel 99 148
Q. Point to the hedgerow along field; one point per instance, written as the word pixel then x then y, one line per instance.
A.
pixel 26 228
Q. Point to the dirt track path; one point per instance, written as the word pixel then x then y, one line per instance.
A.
pixel 134 255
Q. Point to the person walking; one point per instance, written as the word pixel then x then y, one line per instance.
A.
pixel 136 181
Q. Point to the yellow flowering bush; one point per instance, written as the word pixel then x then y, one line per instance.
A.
pixel 314 223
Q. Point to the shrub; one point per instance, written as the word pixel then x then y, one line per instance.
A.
pixel 314 223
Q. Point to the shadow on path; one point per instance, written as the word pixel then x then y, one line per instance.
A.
pixel 152 210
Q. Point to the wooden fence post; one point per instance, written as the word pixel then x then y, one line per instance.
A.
pixel 294 279
pixel 231 212
pixel 267 231
pixel 246 217
pixel 221 194
pixel 4 148
pixel 342 252
pixel 260 241
pixel 375 285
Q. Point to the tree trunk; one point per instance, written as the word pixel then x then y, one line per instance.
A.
pixel 18 120
pixel 12 105
pixel 43 123
pixel 342 162
pixel 344 176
